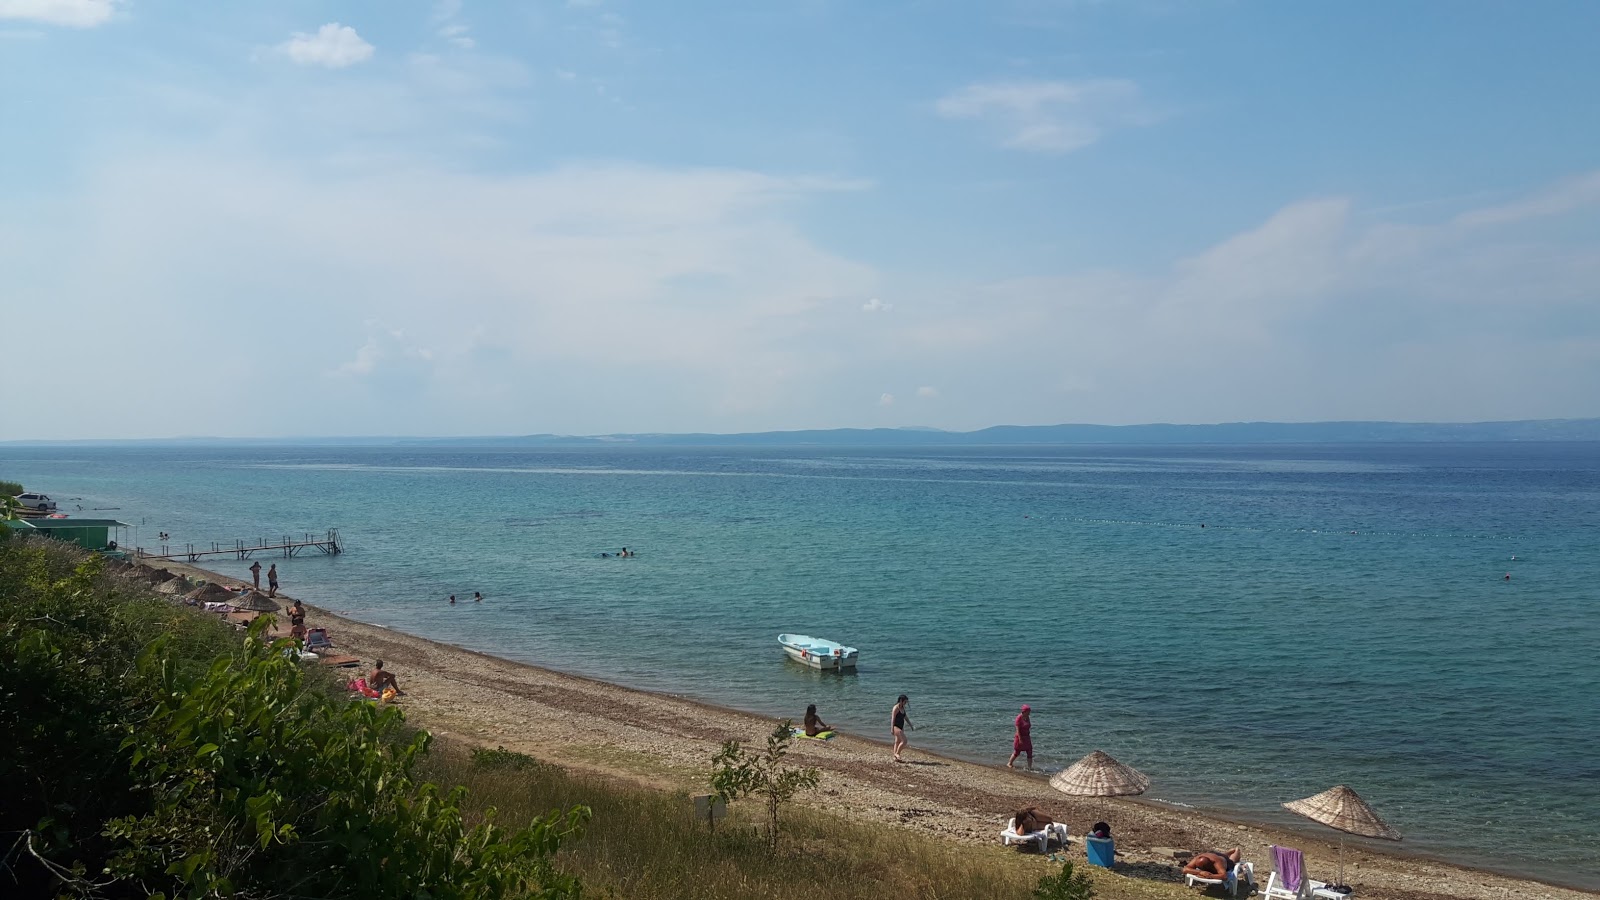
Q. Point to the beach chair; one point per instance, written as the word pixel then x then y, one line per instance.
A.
pixel 1241 873
pixel 317 639
pixel 1056 831
pixel 1102 851
pixel 1289 882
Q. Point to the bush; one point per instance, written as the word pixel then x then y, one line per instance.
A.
pixel 740 773
pixel 157 754
pixel 1067 885
pixel 10 488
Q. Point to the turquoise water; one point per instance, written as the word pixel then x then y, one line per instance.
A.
pixel 1341 616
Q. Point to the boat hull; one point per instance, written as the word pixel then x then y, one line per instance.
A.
pixel 817 653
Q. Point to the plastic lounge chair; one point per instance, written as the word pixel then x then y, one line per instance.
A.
pixel 1289 882
pixel 317 639
pixel 1102 851
pixel 1042 837
pixel 1241 872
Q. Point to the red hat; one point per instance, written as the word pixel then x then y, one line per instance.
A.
pixel 1026 708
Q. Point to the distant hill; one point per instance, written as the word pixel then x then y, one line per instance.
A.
pixel 1225 433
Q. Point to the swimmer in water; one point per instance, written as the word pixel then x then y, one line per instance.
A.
pixel 1508 576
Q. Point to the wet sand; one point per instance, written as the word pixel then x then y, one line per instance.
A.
pixel 667 741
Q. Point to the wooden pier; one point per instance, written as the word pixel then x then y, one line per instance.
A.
pixel 327 545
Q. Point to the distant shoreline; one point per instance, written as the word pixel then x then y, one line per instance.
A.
pixel 1572 430
pixel 589 724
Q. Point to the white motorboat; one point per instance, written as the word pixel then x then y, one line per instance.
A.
pixel 818 653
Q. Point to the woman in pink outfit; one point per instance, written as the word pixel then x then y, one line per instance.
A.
pixel 1022 740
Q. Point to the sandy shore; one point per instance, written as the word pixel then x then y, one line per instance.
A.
pixel 667 741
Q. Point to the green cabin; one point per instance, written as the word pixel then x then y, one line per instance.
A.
pixel 90 534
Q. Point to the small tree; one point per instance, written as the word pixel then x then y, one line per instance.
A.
pixel 8 506
pixel 737 772
pixel 1068 885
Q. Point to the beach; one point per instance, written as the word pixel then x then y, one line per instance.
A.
pixel 666 742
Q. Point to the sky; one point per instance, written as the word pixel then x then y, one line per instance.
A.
pixel 465 217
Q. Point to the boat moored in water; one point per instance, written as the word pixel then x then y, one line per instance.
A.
pixel 817 652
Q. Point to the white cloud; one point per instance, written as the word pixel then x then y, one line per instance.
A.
pixel 1047 116
pixel 886 399
pixel 457 36
pixel 927 393
pixel 1566 196
pixel 70 13
pixel 334 46
pixel 876 305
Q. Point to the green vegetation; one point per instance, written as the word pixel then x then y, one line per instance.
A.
pixel 1065 885
pixel 737 773
pixel 645 844
pixel 152 752
pixel 10 488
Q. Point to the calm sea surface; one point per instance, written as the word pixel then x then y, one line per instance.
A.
pixel 1248 625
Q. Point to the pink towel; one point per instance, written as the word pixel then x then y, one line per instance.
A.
pixel 1290 864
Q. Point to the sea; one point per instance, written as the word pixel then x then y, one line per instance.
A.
pixel 1247 625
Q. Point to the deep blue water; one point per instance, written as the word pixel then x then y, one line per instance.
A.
pixel 1341 617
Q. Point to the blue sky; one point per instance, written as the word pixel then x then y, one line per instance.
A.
pixel 589 216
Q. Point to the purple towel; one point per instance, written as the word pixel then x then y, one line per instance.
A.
pixel 1290 864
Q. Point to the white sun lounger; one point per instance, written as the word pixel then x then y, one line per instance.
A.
pixel 1056 831
pixel 1241 871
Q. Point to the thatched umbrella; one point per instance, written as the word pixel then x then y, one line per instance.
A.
pixel 178 585
pixel 1098 775
pixel 212 593
pixel 1342 809
pixel 255 601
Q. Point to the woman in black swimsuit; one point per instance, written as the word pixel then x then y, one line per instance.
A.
pixel 898 723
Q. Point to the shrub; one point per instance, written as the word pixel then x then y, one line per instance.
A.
pixel 150 752
pixel 740 773
pixel 1066 885
pixel 10 488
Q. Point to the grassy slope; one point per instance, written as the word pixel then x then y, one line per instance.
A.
pixel 644 845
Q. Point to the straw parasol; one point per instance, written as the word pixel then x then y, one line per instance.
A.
pixel 211 593
pixel 1098 775
pixel 255 601
pixel 178 585
pixel 1342 809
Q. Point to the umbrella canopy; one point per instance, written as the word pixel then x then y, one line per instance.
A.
pixel 156 576
pixel 179 585
pixel 211 593
pixel 255 601
pixel 1098 775
pixel 1341 808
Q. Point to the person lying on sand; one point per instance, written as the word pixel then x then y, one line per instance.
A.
pixel 1212 863
pixel 379 679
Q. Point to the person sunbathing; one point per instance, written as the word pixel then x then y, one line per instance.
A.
pixel 1212 864
pixel 814 723
pixel 1030 820
pixel 379 679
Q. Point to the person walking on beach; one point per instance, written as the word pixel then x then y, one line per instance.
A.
pixel 255 574
pixel 1022 739
pixel 272 580
pixel 899 721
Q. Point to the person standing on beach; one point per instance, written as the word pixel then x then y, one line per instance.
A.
pixel 1022 739
pixel 272 580
pixel 255 573
pixel 899 721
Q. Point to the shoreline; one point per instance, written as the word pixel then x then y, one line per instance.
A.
pixel 665 741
